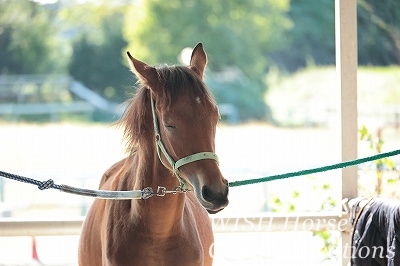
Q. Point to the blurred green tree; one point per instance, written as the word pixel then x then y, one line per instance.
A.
pixel 379 32
pixel 311 40
pixel 27 39
pixel 236 34
pixel 243 40
pixel 97 60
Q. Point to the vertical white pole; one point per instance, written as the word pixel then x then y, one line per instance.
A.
pixel 346 68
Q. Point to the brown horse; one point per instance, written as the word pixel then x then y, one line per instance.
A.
pixel 169 126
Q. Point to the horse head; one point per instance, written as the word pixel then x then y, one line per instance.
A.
pixel 186 117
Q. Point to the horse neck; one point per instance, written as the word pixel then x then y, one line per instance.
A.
pixel 161 214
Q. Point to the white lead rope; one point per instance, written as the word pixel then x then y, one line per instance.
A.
pixel 108 194
pixel 120 195
pixel 101 194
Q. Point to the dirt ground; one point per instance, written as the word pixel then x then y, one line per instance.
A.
pixel 78 154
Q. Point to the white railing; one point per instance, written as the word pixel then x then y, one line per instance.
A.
pixel 20 227
pixel 14 90
pixel 265 222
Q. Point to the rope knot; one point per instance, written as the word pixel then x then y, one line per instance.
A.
pixel 46 184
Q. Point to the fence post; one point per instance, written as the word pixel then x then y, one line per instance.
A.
pixel 346 69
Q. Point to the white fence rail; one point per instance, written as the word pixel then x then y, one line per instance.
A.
pixel 221 224
pixel 45 108
pixel 46 94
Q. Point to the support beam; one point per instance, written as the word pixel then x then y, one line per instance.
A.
pixel 346 68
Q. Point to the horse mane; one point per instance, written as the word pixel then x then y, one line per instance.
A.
pixel 137 121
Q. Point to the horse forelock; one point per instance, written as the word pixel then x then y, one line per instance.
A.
pixel 175 79
pixel 137 119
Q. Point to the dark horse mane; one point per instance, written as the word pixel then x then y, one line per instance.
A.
pixel 137 119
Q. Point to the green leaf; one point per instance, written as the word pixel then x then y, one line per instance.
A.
pixel 326 186
pixel 363 132
pixel 277 201
pixel 295 194
pixel 389 163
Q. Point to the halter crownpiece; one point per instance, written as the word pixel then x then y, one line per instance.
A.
pixel 185 160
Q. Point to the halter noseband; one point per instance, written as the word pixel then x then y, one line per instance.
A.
pixel 185 160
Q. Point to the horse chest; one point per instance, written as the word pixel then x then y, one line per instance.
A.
pixel 141 249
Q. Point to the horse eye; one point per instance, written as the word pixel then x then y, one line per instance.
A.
pixel 170 126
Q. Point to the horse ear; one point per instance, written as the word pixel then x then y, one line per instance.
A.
pixel 198 61
pixel 146 74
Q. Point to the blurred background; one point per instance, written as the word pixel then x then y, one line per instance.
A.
pixel 64 77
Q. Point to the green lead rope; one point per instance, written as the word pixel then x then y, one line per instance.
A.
pixel 314 170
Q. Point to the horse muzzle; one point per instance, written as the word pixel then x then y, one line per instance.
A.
pixel 214 199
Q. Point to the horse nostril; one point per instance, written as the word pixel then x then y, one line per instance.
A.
pixel 207 194
pixel 211 196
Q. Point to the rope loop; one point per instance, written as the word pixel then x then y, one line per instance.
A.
pixel 46 184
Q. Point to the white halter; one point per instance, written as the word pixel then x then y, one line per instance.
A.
pixel 175 165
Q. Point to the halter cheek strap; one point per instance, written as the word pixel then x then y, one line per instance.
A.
pixel 185 160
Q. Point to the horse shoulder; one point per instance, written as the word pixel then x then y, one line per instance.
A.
pixel 93 229
pixel 116 170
